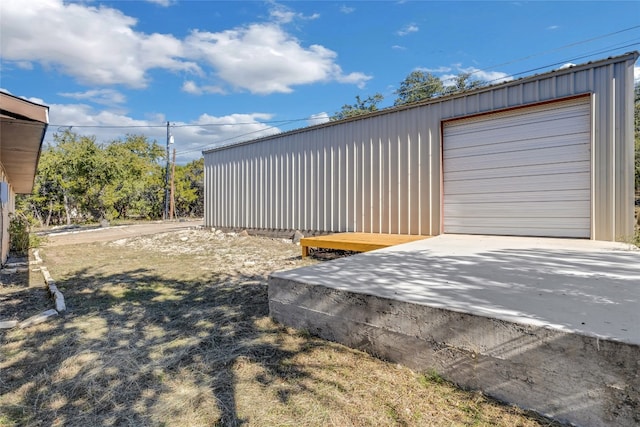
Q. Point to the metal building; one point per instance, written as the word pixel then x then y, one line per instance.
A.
pixel 548 155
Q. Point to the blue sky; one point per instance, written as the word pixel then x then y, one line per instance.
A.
pixel 229 71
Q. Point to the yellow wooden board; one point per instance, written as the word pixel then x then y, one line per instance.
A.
pixel 357 242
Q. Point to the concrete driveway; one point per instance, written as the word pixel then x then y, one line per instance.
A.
pixel 584 286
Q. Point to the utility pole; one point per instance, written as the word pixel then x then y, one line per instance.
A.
pixel 172 207
pixel 166 176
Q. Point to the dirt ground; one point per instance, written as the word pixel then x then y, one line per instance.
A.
pixel 171 327
pixel 77 235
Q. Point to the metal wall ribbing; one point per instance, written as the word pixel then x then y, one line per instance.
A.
pixel 348 178
pixel 382 173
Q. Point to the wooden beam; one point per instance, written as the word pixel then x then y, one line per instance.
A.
pixel 356 242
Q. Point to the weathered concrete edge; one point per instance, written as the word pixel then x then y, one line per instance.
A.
pixel 572 378
pixel 57 296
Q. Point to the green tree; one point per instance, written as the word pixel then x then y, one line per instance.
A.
pixel 137 187
pixel 86 172
pixel 362 106
pixel 189 189
pixel 418 86
pixel 461 83
pixel 80 180
pixel 48 202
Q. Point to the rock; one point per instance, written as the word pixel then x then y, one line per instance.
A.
pixel 249 263
pixel 104 223
pixel 297 236
pixel 8 324
pixel 38 318
pixel 184 238
pixel 243 233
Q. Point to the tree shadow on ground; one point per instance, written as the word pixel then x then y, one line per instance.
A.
pixel 178 342
pixel 22 291
pixel 130 339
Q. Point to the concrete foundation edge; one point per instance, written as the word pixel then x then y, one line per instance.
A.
pixel 572 378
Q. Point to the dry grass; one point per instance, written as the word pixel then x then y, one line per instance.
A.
pixel 173 329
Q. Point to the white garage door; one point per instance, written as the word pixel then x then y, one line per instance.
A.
pixel 525 173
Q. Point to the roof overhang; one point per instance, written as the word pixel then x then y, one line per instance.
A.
pixel 22 128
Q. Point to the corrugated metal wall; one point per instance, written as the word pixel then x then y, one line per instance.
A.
pixel 371 176
pixel 382 173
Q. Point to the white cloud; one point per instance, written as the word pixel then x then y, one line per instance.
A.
pixel 96 45
pixel 283 15
pixel 346 9
pixel 436 70
pixel 210 131
pixel 190 137
pixel 567 65
pixel 553 27
pixel 98 96
pixel 408 29
pixel 163 3
pixel 398 47
pixel 25 65
pixel 99 46
pixel 359 79
pixel 319 118
pixel 490 77
pixel 189 86
pixel 264 59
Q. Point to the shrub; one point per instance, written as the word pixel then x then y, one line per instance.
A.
pixel 20 237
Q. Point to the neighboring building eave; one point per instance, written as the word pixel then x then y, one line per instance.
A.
pixel 23 125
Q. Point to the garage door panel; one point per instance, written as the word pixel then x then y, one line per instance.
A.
pixel 532 196
pixel 528 229
pixel 515 171
pixel 508 146
pixel 547 156
pixel 504 210
pixel 520 173
pixel 520 184
pixel 524 222
pixel 541 122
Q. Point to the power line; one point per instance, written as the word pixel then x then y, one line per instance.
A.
pixel 606 49
pixel 173 125
pixel 544 52
pixel 221 142
pixel 491 67
pixel 289 121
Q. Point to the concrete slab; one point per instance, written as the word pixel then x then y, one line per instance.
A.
pixel 547 324
pixel 584 286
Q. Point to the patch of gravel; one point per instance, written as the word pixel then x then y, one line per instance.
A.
pixel 193 242
pixel 230 253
